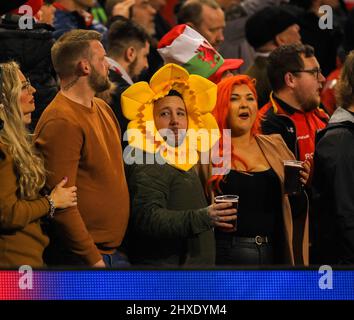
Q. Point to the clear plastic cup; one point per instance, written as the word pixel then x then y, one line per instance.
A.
pixel 229 198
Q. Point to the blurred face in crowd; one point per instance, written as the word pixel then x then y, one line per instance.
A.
pixel 212 26
pixel 158 4
pixel 98 78
pixel 85 4
pixel 26 98
pixel 333 3
pixel 308 84
pixel 243 110
pixel 226 4
pixel 170 113
pixel 47 14
pixel 144 14
pixel 289 36
pixel 140 62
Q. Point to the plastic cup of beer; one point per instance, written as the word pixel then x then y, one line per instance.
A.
pixel 229 198
pixel 292 183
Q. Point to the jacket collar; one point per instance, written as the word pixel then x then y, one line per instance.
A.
pixel 281 107
pixel 270 147
pixel 262 54
pixel 115 66
pixel 284 107
pixel 341 115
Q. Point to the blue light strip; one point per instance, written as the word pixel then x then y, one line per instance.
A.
pixel 189 285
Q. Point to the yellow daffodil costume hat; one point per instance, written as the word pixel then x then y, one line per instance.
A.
pixel 199 96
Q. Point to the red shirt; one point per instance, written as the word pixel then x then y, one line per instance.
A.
pixel 306 124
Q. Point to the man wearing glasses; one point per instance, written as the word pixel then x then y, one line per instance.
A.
pixel 293 110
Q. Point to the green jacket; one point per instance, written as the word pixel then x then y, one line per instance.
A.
pixel 169 222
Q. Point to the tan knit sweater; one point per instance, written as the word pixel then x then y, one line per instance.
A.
pixel 84 145
pixel 21 238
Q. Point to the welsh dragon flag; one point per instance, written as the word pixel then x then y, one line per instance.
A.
pixel 187 48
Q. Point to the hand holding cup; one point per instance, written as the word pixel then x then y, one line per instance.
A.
pixel 305 172
pixel 223 212
pixel 296 175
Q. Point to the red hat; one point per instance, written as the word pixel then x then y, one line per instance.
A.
pixel 229 64
pixel 34 4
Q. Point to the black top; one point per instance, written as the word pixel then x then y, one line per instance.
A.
pixel 259 207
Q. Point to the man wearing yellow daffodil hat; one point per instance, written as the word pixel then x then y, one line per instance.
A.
pixel 171 123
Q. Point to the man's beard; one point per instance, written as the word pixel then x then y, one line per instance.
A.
pixel 310 105
pixel 131 70
pixel 98 82
pixel 307 104
pixel 151 29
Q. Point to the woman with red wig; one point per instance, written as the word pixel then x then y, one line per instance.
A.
pixel 267 232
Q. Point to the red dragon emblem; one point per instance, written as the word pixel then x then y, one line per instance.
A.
pixel 208 54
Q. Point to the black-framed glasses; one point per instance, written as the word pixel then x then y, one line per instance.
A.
pixel 315 71
pixel 26 85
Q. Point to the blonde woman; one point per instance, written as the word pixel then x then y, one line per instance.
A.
pixel 22 177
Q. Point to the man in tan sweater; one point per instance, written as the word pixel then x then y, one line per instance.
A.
pixel 79 137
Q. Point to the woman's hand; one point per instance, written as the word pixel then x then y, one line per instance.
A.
pixel 64 197
pixel 305 172
pixel 222 217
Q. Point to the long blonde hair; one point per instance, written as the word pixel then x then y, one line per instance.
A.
pixel 14 135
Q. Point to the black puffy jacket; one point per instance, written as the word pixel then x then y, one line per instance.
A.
pixel 333 218
pixel 31 49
